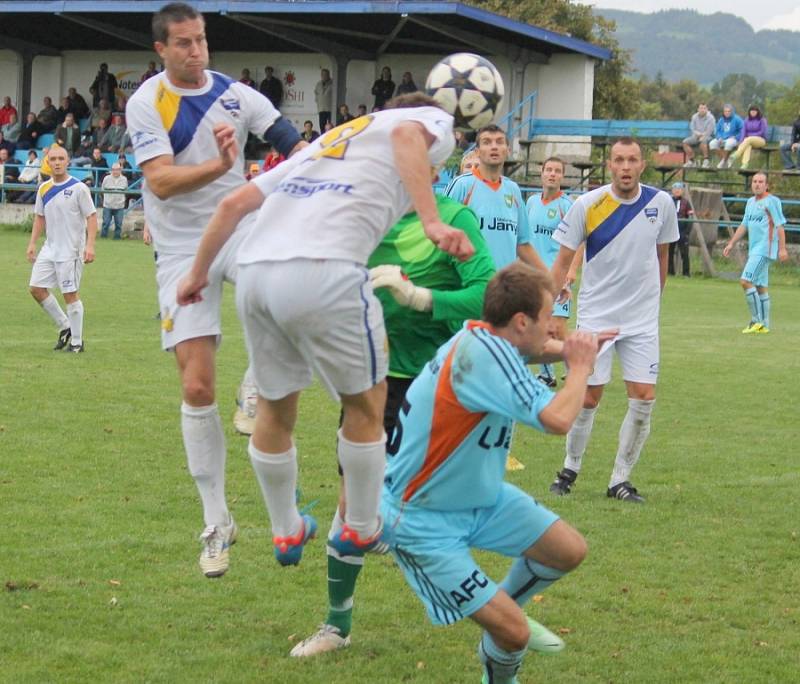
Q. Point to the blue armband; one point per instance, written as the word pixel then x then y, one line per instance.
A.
pixel 282 136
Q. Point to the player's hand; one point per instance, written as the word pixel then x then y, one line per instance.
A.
pixel 606 336
pixel 565 293
pixel 225 135
pixel 727 250
pixel 146 237
pixel 88 255
pixel 783 254
pixel 401 288
pixel 795 146
pixel 450 240
pixel 580 350
pixel 190 289
pixel 30 253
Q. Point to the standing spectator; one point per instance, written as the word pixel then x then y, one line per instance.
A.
pixel 101 111
pixel 343 115
pixel 323 95
pixel 754 135
pixel 6 111
pixel 362 110
pixel 790 148
pixel 684 211
pixel 64 109
pixel 12 129
pixel 727 135
pixel 116 138
pixel 104 86
pixel 48 116
pixel 407 84
pixel 114 202
pixel 383 89
pixel 151 71
pixel 7 145
pixel 271 87
pixel 68 135
pixel 309 134
pixel 30 132
pixel 701 130
pixel 246 79
pixel 99 167
pixel 79 107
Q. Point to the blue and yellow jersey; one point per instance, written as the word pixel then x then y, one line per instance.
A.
pixel 543 219
pixel 449 449
pixel 762 218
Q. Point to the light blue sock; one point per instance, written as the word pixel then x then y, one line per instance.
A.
pixel 751 295
pixel 500 666
pixel 526 578
pixel 763 300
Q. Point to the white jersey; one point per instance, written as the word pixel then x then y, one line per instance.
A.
pixel 339 196
pixel 620 285
pixel 65 207
pixel 165 120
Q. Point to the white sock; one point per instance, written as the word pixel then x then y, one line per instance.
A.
pixel 51 306
pixel 578 438
pixel 204 442
pixel 277 475
pixel 632 435
pixel 363 465
pixel 75 314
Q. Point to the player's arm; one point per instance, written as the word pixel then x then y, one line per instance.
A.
pixel 783 254
pixel 166 179
pixel 663 258
pixel 577 262
pixel 558 272
pixel 410 143
pixel 91 236
pixel 284 138
pixel 740 231
pixel 529 255
pixel 38 229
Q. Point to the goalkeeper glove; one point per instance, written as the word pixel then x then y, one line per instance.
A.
pixel 401 288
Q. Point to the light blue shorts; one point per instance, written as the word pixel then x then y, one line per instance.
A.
pixel 756 270
pixel 433 548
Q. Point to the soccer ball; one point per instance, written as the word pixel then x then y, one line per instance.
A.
pixel 468 87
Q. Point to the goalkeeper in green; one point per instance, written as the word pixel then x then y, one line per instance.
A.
pixel 426 296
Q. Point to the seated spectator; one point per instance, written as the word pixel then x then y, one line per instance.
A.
pixel 309 134
pixel 120 102
pixel 701 130
pixel 328 126
pixel 47 116
pixel 407 84
pixel 69 135
pixel 7 145
pixel 101 111
pixel 104 86
pixel 79 107
pixel 114 202
pixel 462 141
pixel 151 71
pixel 247 80
pixel 727 136
pixel 6 111
pixel 754 135
pixel 99 168
pixel 792 147
pixel 343 115
pixel 253 171
pixel 362 110
pixel 272 159
pixel 126 167
pixel 383 89
pixel 29 133
pixel 30 176
pixel 64 108
pixel 12 129
pixel 116 137
pixel 83 157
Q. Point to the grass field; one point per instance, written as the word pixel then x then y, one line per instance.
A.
pixel 98 562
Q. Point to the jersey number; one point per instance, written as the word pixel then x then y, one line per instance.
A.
pixel 336 141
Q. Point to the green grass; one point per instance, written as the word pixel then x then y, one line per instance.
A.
pixel 98 562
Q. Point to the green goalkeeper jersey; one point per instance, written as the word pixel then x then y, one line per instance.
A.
pixel 457 287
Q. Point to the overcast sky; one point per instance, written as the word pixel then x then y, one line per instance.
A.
pixel 783 14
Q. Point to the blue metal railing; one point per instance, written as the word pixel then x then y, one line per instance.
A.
pixel 519 111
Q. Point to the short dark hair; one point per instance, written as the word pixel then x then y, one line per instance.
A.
pixel 491 128
pixel 559 160
pixel 173 13
pixel 308 121
pixel 517 288
pixel 627 140
pixel 411 100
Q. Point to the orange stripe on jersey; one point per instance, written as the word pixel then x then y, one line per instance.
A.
pixel 450 425
pixel 494 185
pixel 771 230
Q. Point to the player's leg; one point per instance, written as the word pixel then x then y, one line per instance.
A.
pixel 69 279
pixel 106 222
pixel 683 248
pixel 761 282
pixel 43 277
pixel 117 213
pixel 504 641
pixel 750 275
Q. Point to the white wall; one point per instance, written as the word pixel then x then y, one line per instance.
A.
pixel 10 65
pixel 565 87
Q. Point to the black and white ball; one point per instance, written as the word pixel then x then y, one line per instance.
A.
pixel 467 86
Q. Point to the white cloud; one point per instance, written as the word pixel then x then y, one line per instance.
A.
pixel 789 22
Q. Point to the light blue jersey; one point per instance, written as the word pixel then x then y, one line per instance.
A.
pixel 543 219
pixel 762 217
pixel 500 209
pixel 451 444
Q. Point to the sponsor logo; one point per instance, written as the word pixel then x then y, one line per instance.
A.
pixel 67 193
pixel 140 139
pixel 499 224
pixel 651 213
pixel 289 78
pixel 509 200
pixel 542 230
pixel 654 368
pixel 466 589
pixel 551 213
pixel 308 187
pixel 230 104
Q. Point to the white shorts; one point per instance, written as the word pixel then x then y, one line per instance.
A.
pixel 311 315
pixel 203 319
pixel 638 356
pixel 729 144
pixel 65 275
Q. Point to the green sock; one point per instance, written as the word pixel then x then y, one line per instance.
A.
pixel 342 575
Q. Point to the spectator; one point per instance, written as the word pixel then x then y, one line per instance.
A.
pixel 48 116
pixel 727 136
pixel 69 135
pixel 254 171
pixel 701 130
pixel 12 129
pixel 79 107
pixel 63 110
pixel 120 102
pixel 99 168
pixel 328 126
pixel 754 135
pixel 469 161
pixel 114 202
pixel 309 134
pixel 104 86
pixel 6 111
pixel 323 95
pixel 271 87
pixel 343 115
pixel 127 169
pixel 383 89
pixel 9 169
pixel 272 159
pixel 462 141
pixel 30 176
pixel 83 157
pixel 790 148
pixel 31 130
pixel 151 71
pixel 7 145
pixel 685 213
pixel 407 84
pixel 246 79
pixel 116 138
pixel 362 110
pixel 100 111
